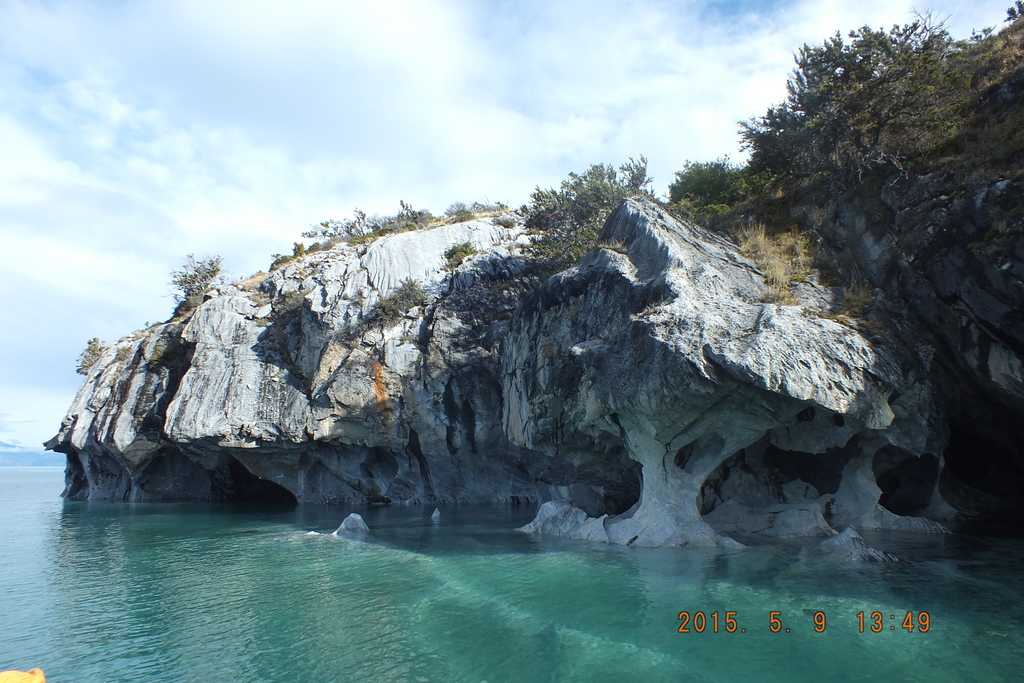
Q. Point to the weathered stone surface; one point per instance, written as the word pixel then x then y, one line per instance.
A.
pixel 290 388
pixel 944 254
pixel 646 396
pixel 353 524
pixel 661 347
pixel 850 547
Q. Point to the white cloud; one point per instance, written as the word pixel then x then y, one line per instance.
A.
pixel 137 132
pixel 27 415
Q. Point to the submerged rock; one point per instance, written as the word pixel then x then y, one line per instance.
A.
pixel 353 524
pixel 850 547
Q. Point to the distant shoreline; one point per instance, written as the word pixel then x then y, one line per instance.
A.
pixel 13 466
pixel 16 459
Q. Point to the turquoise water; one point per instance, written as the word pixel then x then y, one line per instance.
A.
pixel 142 592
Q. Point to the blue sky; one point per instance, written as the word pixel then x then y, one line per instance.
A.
pixel 136 132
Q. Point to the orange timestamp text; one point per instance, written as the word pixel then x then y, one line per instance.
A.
pixel 729 622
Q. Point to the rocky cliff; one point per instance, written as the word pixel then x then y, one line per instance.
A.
pixel 646 395
pixel 943 253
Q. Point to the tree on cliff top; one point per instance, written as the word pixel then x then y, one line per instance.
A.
pixel 570 218
pixel 196 277
pixel 707 189
pixel 94 348
pixel 875 101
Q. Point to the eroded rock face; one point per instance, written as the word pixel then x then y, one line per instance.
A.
pixel 749 417
pixel 647 395
pixel 291 389
pixel 848 546
pixel 944 254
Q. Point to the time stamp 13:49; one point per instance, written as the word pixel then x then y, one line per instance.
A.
pixel 729 622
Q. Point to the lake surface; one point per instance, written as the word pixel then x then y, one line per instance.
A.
pixel 168 592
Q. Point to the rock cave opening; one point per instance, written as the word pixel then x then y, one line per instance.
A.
pixel 980 479
pixel 823 471
pixel 763 474
pixel 907 481
pixel 233 483
pixel 74 477
pixel 623 493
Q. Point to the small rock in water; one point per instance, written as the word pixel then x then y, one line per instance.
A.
pixel 437 515
pixel 850 547
pixel 353 524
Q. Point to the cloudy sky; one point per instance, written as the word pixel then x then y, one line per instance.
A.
pixel 134 132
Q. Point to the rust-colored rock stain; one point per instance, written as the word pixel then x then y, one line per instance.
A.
pixel 381 392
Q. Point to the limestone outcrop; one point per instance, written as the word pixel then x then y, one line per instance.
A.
pixel 288 387
pixel 645 396
pixel 943 254
pixel 353 524
pixel 848 546
pixel 746 418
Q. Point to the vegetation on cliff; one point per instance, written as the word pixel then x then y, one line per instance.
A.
pixel 874 105
pixel 569 219
pixel 862 111
pixel 94 348
pixel 193 280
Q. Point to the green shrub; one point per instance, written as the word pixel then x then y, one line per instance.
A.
pixel 362 228
pixel 298 249
pixel 94 348
pixel 458 213
pixel 391 308
pixel 708 189
pixel 868 104
pixel 196 277
pixel 570 218
pixel 186 306
pixel 287 303
pixel 168 354
pixel 458 252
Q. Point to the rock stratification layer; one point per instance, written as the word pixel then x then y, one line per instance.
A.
pixel 646 396
pixel 751 417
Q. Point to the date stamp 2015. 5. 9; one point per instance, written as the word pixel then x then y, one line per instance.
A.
pixel 871 622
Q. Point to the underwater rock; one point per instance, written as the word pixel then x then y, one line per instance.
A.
pixel 848 546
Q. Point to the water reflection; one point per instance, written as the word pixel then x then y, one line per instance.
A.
pixel 175 592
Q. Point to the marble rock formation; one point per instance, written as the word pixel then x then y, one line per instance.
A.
pixel 353 524
pixel 746 418
pixel 848 546
pixel 648 395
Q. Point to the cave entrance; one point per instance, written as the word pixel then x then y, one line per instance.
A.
pixel 763 474
pixel 982 478
pixel 823 471
pixel 234 483
pixel 623 493
pixel 907 481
